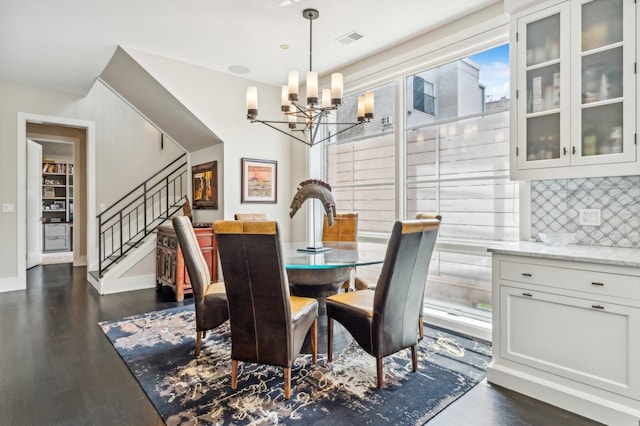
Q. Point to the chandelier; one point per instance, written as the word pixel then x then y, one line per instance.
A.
pixel 306 119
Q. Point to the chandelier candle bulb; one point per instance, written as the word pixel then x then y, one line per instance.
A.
pixel 252 101
pixel 326 98
pixel 360 108
pixel 285 99
pixel 336 88
pixel 293 85
pixel 312 88
pixel 368 105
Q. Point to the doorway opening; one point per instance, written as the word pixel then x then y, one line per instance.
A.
pixel 75 209
pixel 57 186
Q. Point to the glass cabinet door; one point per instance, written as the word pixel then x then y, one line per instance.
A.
pixel 543 48
pixel 603 56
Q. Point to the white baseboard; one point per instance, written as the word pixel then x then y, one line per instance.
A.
pixel 119 285
pixel 585 404
pixel 9 284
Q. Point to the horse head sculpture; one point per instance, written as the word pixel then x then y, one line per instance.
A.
pixel 315 188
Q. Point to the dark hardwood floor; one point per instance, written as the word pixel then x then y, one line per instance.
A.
pixel 58 368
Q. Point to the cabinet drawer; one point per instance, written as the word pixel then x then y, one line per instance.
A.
pixel 583 340
pixel 56 230
pixel 593 282
pixel 56 243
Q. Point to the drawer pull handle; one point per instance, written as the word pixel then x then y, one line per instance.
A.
pixel 526 274
pixel 597 306
pixel 527 294
pixel 598 284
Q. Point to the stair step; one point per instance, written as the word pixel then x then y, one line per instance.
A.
pixel 136 244
pixel 95 275
pixel 116 258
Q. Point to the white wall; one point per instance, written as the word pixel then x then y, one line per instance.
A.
pixel 218 100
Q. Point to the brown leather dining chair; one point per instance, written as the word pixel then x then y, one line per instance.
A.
pixel 345 228
pixel 209 298
pixel 268 325
pixel 383 321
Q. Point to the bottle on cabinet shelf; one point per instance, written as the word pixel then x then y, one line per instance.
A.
pixel 615 140
pixel 537 94
pixel 604 87
pixel 589 142
pixel 556 90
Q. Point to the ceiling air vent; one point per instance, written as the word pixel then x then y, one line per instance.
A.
pixel 350 38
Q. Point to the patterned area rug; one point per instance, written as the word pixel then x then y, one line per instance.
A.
pixel 158 348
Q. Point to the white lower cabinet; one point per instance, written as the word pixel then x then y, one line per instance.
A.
pixel 57 237
pixel 568 333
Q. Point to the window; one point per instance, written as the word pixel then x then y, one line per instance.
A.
pixel 424 99
pixel 360 163
pixel 456 163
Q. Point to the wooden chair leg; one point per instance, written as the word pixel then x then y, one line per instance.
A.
pixel 421 327
pixel 379 372
pixel 329 339
pixel 414 358
pixel 314 341
pixel 234 374
pixel 287 382
pixel 198 341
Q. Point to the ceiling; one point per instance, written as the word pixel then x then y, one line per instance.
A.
pixel 64 45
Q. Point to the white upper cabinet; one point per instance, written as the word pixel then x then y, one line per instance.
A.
pixel 573 68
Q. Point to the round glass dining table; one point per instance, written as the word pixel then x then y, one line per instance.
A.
pixel 321 274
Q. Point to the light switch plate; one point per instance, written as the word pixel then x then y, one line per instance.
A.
pixel 590 217
pixel 8 208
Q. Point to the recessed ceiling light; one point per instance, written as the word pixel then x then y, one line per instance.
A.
pixel 284 46
pixel 239 69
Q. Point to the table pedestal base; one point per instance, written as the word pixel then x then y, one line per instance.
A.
pixel 319 284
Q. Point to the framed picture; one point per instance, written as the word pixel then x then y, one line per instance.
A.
pixel 204 185
pixel 48 192
pixel 259 181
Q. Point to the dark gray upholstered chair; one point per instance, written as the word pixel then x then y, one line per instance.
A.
pixel 421 319
pixel 383 321
pixel 361 284
pixel 209 299
pixel 268 325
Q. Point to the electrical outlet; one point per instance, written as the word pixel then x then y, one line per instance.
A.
pixel 589 217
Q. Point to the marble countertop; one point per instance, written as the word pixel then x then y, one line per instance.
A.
pixel 579 253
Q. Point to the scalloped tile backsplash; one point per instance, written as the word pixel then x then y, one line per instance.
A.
pixel 555 205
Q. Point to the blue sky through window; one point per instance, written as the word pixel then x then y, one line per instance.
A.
pixel 494 71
